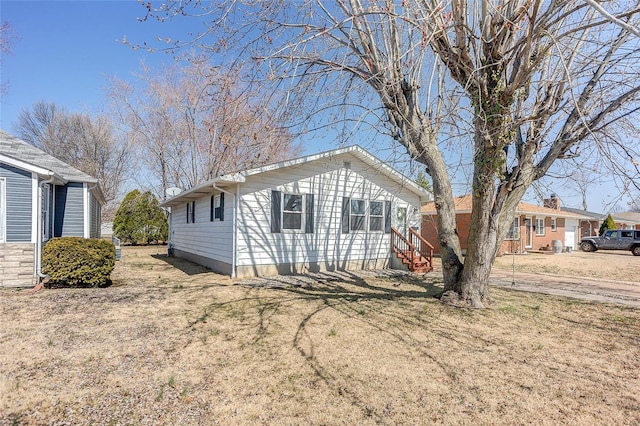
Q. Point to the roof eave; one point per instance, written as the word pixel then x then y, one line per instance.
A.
pixel 203 189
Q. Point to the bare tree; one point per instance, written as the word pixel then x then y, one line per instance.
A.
pixel 194 123
pixel 530 83
pixel 86 143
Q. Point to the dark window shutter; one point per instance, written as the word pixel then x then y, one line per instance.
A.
pixel 387 217
pixel 188 211
pixel 308 223
pixel 211 209
pixel 193 212
pixel 276 209
pixel 346 202
pixel 221 206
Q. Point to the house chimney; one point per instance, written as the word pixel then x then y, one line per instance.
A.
pixel 553 202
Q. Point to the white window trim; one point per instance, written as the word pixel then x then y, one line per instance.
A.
pixel 538 227
pixel 3 209
pixel 302 212
pixel 516 235
pixel 381 216
pixel 216 205
pixel 365 224
pixel 46 212
pixel 191 214
pixel 554 224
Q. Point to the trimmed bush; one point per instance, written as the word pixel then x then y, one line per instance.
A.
pixel 78 261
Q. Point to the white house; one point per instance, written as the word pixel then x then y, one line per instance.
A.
pixel 329 211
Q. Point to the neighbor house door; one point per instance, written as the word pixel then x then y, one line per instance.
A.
pixel 570 236
pixel 528 233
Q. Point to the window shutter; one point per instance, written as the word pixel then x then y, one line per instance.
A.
pixel 212 208
pixel 221 206
pixel 346 201
pixel 387 217
pixel 193 212
pixel 276 211
pixel 188 211
pixel 308 223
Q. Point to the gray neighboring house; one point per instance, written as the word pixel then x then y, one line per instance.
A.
pixel 41 197
pixel 590 226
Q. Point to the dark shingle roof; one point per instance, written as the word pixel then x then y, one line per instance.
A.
pixel 21 150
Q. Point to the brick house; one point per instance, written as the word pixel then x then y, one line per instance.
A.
pixel 534 227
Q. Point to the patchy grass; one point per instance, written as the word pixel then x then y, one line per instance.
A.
pixel 170 343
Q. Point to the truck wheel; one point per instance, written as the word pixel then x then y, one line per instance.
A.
pixel 636 251
pixel 587 246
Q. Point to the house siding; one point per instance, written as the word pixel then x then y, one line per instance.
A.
pixel 327 248
pixel 95 212
pixel 19 184
pixel 204 242
pixel 69 211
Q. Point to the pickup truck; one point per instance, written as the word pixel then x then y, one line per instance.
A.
pixel 613 239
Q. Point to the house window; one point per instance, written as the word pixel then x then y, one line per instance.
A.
pixel 291 211
pixel 45 203
pixel 554 226
pixel 514 231
pixel 539 227
pixel 376 216
pixel 357 215
pixel 191 212
pixel 2 209
pixel 216 212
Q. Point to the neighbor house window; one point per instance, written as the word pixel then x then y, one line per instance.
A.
pixel 191 212
pixel 539 227
pixel 554 225
pixel 376 216
pixel 216 212
pixel 514 231
pixel 357 215
pixel 2 209
pixel 291 211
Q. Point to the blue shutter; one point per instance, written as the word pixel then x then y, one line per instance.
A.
pixel 221 206
pixel 346 204
pixel 387 217
pixel 276 209
pixel 308 223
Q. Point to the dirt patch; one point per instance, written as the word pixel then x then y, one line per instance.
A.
pixel 171 343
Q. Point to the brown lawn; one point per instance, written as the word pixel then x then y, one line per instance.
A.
pixel 170 343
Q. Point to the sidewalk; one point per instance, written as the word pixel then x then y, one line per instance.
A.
pixel 595 290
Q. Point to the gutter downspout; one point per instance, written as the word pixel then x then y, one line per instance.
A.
pixel 41 277
pixel 234 225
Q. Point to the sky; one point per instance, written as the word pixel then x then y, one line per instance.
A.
pixel 65 51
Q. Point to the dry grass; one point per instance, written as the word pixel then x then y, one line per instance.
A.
pixel 167 345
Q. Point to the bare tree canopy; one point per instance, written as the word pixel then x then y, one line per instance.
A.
pixel 523 85
pixel 195 122
pixel 86 143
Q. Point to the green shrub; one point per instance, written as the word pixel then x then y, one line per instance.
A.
pixel 78 261
pixel 607 223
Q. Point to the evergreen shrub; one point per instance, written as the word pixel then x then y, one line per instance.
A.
pixel 77 261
